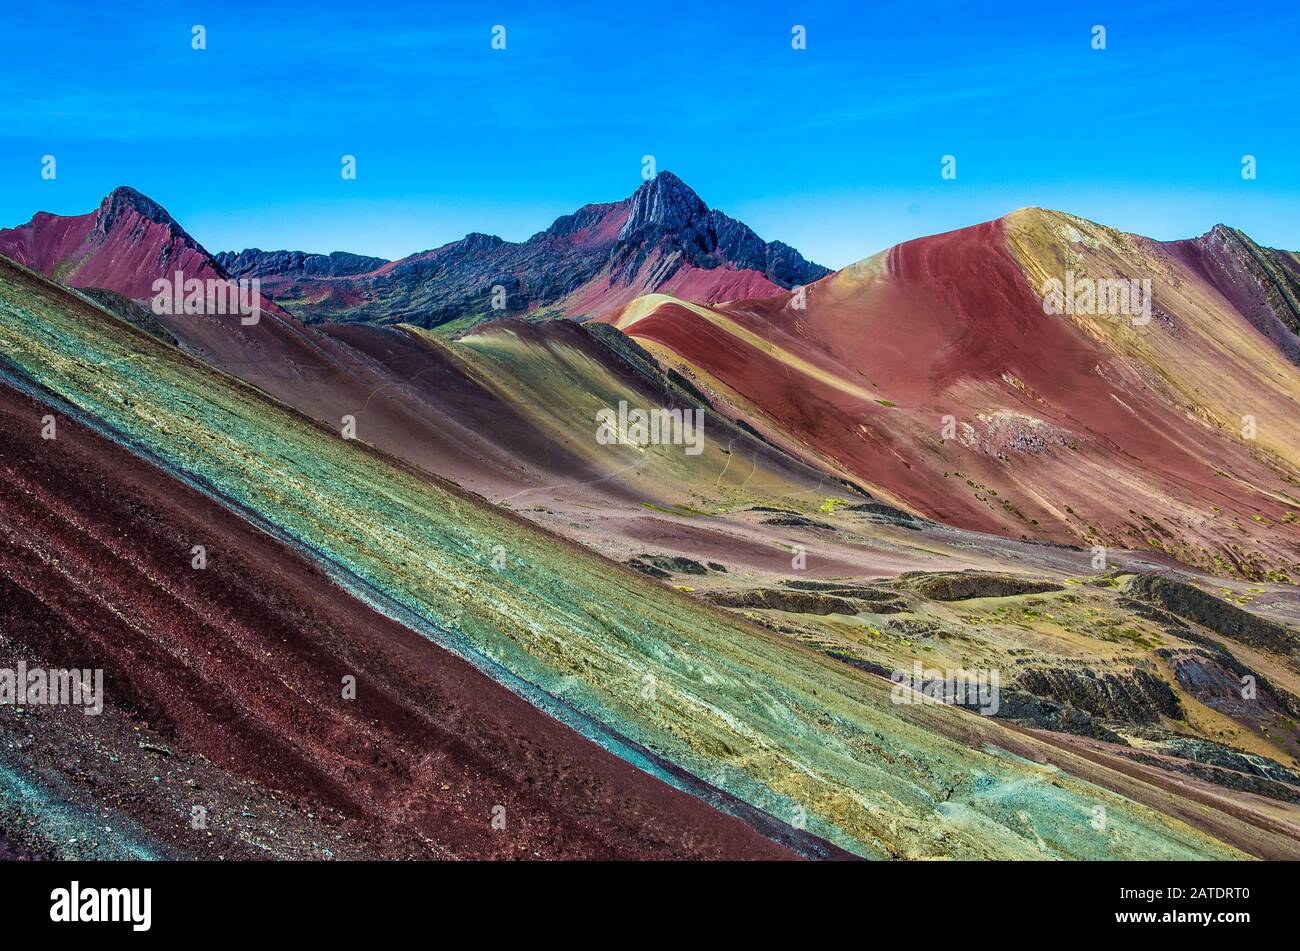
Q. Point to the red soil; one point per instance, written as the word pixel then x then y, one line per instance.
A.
pixel 242 662
pixel 125 245
pixel 951 327
pixel 128 259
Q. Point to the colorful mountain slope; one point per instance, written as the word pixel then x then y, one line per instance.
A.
pixel 769 526
pixel 969 405
pixel 694 696
pixel 124 246
pixel 744 523
pixel 932 374
pixel 225 690
pixel 1261 283
pixel 509 412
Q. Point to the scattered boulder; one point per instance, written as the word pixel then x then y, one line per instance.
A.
pixel 646 569
pixel 665 566
pixel 797 521
pixel 888 513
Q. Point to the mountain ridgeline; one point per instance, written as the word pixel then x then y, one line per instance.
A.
pixel 587 264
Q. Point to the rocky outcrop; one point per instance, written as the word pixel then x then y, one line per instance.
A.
pixel 871 599
pixel 1222 766
pixel 1216 754
pixel 1263 283
pixel 880 511
pixel 964 585
pixel 794 520
pixel 666 215
pixel 1215 677
pixel 125 201
pixel 1192 604
pixel 794 602
pixel 1045 714
pixel 664 566
pixel 1120 694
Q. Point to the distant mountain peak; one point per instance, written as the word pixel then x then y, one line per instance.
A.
pixel 664 202
pixel 667 212
pixel 482 241
pixel 590 262
pixel 124 245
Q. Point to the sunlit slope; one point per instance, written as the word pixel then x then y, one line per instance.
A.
pixel 508 411
pixel 227 680
pixel 619 657
pixel 932 374
pixel 1198 355
pixel 558 377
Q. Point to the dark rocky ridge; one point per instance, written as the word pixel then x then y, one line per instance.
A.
pixel 1122 694
pixel 254 262
pixel 1262 282
pixel 124 199
pixel 794 602
pixel 605 246
pixel 1191 603
pixel 666 213
pixel 964 585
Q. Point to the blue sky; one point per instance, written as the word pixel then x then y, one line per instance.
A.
pixel 835 149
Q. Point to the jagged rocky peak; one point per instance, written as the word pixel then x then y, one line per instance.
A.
pixel 123 199
pixel 477 241
pixel 667 203
pixel 122 203
pixel 665 210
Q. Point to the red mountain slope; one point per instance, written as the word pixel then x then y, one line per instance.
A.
pixel 124 245
pixel 932 373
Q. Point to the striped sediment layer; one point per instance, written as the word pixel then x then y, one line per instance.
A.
pixel 679 689
pixel 255 696
pixel 943 375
